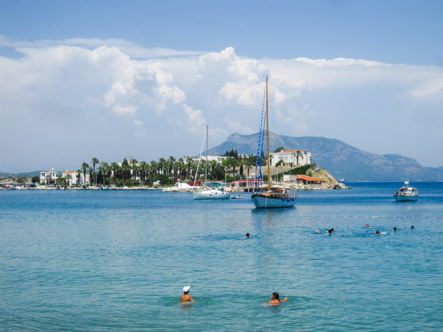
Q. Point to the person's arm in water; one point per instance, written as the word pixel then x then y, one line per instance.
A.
pixel 285 300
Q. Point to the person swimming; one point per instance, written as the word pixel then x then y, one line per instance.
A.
pixel 248 235
pixel 275 299
pixel 412 227
pixel 377 233
pixel 186 297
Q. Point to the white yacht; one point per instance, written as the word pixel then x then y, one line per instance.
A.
pixel 210 193
pixel 406 193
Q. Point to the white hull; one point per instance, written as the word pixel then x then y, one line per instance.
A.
pixel 211 195
pixel 261 202
pixel 405 198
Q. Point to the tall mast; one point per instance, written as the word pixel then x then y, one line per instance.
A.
pixel 267 135
pixel 207 140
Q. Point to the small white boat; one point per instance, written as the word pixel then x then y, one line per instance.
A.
pixel 179 188
pixel 236 197
pixel 406 193
pixel 211 194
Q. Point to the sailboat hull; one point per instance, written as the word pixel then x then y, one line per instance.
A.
pixel 211 195
pixel 267 202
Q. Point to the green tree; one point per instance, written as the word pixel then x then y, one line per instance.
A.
pixel 90 170
pixel 279 149
pixel 104 167
pixel 134 163
pixel 94 162
pixel 85 166
pixel 115 167
pixel 35 179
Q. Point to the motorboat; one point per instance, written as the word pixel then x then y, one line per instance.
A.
pixel 406 193
pixel 236 197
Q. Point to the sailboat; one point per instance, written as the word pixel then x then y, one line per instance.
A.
pixel 272 197
pixel 208 193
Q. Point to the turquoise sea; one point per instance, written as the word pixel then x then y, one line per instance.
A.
pixel 118 260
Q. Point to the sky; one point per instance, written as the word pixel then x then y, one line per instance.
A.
pixel 113 79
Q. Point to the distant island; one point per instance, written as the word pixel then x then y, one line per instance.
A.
pixel 339 159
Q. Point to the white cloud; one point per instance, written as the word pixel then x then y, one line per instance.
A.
pixel 124 110
pixel 81 89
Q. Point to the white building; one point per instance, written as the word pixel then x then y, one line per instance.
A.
pixel 217 157
pixel 74 178
pixel 291 158
pixel 52 174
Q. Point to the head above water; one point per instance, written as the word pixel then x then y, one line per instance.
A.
pixel 247 235
pixel 377 232
pixel 367 225
pixel 186 289
pixel 275 296
pixel 395 229
pixel 412 227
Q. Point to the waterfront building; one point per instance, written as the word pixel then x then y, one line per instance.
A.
pixel 291 158
pixel 52 173
pixel 75 179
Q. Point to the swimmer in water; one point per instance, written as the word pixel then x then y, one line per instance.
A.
pixel 367 225
pixel 275 299
pixel 395 229
pixel 185 298
pixel 329 231
pixel 377 233
pixel 247 235
pixel 412 227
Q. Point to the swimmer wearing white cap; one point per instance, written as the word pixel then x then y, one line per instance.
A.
pixel 186 297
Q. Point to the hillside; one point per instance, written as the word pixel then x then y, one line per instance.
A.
pixel 340 159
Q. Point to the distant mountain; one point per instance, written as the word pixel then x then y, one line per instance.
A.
pixel 23 175
pixel 339 159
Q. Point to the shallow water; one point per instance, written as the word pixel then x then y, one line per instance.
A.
pixel 118 260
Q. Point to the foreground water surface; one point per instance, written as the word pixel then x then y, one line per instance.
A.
pixel 118 260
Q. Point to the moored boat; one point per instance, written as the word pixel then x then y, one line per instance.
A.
pixel 272 198
pixel 209 193
pixel 406 193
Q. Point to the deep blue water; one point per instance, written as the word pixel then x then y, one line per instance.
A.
pixel 118 260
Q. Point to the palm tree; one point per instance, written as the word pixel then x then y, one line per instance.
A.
pixel 124 169
pixel 90 170
pixel 189 162
pixel 79 172
pixel 68 178
pixel 161 161
pixel 48 179
pixel 166 165
pixel 84 167
pixel 95 161
pixel 114 167
pixel 171 164
pixel 104 168
pixel 154 167
pixel 143 169
pixel 134 166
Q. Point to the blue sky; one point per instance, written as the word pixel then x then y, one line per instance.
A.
pixel 109 79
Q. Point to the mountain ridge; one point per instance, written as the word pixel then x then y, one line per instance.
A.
pixel 341 160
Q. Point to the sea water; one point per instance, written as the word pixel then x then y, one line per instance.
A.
pixel 118 260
